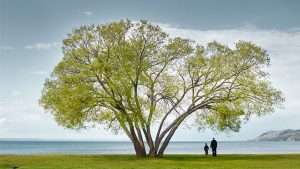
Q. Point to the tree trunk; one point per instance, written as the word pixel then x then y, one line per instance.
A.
pixel 155 149
pixel 139 149
pixel 171 133
pixel 149 140
pixel 152 152
pixel 166 142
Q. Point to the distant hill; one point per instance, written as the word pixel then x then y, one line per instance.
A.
pixel 282 135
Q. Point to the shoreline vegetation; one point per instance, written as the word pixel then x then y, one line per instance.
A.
pixel 176 161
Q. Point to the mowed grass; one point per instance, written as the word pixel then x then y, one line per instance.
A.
pixel 280 161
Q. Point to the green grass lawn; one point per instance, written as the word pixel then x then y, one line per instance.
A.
pixel 280 161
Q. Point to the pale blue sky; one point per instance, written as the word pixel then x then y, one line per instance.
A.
pixel 31 32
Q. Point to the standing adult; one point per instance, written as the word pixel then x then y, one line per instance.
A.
pixel 213 146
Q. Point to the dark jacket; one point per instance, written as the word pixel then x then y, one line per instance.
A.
pixel 206 148
pixel 213 144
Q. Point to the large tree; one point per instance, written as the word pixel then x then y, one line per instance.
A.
pixel 134 78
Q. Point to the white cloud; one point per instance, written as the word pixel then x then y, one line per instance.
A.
pixel 15 94
pixel 30 121
pixel 36 72
pixel 7 48
pixel 17 102
pixel 89 13
pixel 283 46
pixel 39 72
pixel 40 46
pixel 2 120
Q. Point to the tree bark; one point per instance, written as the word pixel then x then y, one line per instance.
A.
pixel 149 140
pixel 166 142
pixel 156 150
pixel 139 149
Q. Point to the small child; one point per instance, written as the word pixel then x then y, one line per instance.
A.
pixel 206 148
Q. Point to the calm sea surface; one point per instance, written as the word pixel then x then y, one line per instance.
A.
pixel 100 147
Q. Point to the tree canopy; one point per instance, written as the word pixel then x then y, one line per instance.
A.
pixel 134 77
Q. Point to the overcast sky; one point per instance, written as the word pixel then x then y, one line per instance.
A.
pixel 31 34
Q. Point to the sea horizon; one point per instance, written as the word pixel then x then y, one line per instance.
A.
pixel 101 140
pixel 108 140
pixel 30 147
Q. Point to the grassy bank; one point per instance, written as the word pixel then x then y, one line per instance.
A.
pixel 279 161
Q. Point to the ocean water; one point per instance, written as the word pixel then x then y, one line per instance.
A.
pixel 104 147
